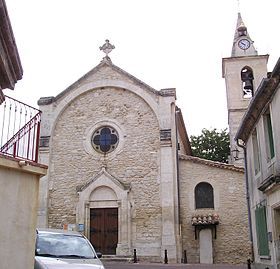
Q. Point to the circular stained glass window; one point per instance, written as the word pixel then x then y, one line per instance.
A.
pixel 105 139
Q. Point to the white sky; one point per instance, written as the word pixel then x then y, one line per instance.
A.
pixel 165 43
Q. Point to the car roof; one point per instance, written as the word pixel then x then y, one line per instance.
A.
pixel 58 231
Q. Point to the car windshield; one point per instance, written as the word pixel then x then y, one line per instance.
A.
pixel 64 246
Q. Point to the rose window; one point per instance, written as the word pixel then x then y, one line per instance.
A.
pixel 105 139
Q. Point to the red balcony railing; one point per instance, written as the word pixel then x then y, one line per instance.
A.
pixel 19 130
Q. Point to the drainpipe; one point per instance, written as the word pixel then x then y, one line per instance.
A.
pixel 177 168
pixel 178 182
pixel 243 146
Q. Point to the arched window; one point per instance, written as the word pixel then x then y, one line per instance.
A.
pixel 247 78
pixel 204 195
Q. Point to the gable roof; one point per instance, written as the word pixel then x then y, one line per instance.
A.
pixel 211 163
pixel 106 61
pixel 258 104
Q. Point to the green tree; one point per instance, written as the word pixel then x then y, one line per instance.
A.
pixel 211 145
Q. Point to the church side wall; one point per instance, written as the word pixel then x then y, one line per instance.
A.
pixel 231 245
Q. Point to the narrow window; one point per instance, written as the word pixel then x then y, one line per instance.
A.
pixel 204 197
pixel 268 135
pixel 261 229
pixel 256 151
pixel 247 78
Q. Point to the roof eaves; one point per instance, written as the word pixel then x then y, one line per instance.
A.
pixel 211 163
pixel 11 65
pixel 182 129
pixel 106 61
pixel 138 81
pixel 51 99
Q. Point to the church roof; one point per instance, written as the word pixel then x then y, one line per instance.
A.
pixel 183 131
pixel 106 61
pixel 211 163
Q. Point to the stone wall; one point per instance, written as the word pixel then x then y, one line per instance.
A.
pixel 232 243
pixel 73 163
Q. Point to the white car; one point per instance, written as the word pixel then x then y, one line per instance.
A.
pixel 60 249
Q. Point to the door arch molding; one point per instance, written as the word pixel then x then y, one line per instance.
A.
pixel 105 191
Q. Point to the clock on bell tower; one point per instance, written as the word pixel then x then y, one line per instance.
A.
pixel 243 72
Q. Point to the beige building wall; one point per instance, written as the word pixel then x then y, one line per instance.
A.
pixel 231 245
pixel 18 207
pixel 269 168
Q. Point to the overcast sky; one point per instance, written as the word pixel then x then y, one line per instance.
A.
pixel 167 44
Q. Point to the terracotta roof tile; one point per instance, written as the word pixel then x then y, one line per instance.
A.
pixel 211 163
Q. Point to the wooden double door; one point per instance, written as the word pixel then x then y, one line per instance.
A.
pixel 104 229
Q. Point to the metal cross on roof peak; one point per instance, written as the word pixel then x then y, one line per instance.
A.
pixel 107 47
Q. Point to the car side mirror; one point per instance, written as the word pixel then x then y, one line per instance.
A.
pixel 99 254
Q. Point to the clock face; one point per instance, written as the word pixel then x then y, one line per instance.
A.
pixel 244 44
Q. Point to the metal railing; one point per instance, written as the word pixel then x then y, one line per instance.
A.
pixel 19 130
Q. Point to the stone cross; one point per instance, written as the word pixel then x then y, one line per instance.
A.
pixel 107 47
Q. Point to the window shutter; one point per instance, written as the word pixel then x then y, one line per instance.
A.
pixel 261 228
pixel 270 136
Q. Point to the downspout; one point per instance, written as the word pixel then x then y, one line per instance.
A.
pixel 177 168
pixel 243 146
pixel 178 182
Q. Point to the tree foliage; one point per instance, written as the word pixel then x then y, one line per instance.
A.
pixel 211 145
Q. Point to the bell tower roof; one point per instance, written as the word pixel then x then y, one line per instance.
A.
pixel 242 42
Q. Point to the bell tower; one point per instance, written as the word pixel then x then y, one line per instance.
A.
pixel 243 72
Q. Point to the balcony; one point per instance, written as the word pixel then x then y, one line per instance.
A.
pixel 19 130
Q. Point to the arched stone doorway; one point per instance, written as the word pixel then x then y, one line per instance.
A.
pixel 103 207
pixel 102 201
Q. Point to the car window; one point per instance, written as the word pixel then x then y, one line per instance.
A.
pixel 60 245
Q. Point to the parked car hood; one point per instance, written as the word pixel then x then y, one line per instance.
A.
pixel 59 263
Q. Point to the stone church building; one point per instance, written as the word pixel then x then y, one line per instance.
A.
pixel 121 171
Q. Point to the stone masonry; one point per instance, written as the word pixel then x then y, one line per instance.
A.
pixel 139 177
pixel 231 245
pixel 73 166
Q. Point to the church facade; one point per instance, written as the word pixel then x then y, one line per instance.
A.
pixel 121 172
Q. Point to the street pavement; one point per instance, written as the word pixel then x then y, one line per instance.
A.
pixel 127 265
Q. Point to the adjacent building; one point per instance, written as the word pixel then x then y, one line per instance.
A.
pixel 259 135
pixel 19 169
pixel 10 64
pixel 253 109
